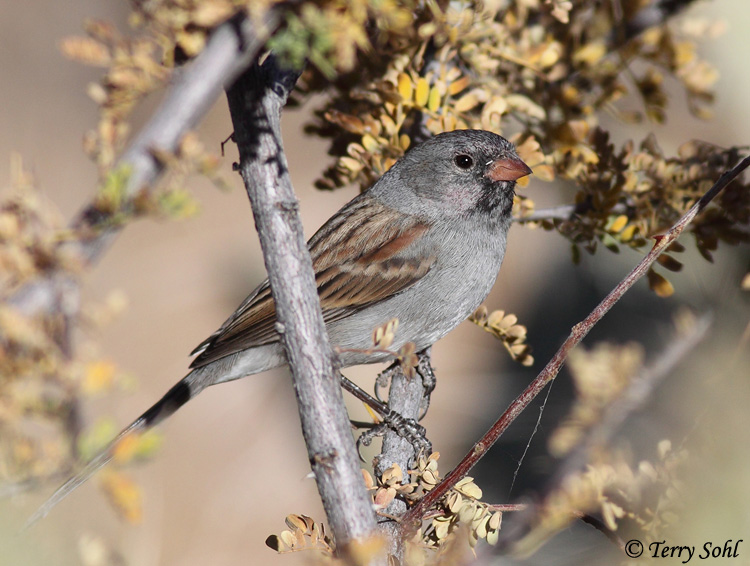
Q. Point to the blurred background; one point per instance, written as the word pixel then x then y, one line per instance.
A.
pixel 233 463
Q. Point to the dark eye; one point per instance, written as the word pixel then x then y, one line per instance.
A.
pixel 464 161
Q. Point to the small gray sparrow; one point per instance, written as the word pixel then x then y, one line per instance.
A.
pixel 424 245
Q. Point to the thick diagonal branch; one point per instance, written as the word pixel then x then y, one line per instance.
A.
pixel 255 102
pixel 230 49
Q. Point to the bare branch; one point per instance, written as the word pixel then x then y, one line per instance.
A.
pixel 405 398
pixel 255 102
pixel 413 517
pixel 563 212
pixel 230 49
pixel 614 538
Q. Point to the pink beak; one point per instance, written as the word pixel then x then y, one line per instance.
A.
pixel 510 169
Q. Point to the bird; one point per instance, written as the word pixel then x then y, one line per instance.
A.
pixel 424 245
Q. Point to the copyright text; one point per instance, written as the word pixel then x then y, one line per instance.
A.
pixel 663 549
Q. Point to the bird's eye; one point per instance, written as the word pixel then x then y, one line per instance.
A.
pixel 464 161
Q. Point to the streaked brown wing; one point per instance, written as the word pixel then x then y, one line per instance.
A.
pixel 359 259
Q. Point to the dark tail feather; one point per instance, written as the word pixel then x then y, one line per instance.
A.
pixel 164 408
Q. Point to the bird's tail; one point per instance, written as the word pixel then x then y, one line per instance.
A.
pixel 187 388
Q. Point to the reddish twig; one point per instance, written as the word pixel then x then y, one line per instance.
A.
pixel 411 520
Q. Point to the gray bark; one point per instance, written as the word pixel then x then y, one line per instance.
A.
pixel 405 397
pixel 255 102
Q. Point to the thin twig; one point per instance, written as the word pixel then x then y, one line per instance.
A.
pixel 613 537
pixel 562 212
pixel 412 519
pixel 508 507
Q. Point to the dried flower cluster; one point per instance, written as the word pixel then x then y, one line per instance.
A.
pixel 542 74
pixel 41 378
pixel 303 534
pixel 648 495
pixel 596 475
pixel 133 70
pixel 136 66
pixel 505 327
pixel 462 508
pixel 629 195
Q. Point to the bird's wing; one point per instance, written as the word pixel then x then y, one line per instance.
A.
pixel 370 260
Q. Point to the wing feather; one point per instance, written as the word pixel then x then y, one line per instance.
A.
pixel 360 257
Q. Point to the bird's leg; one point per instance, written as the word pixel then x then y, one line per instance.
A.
pixel 424 369
pixel 375 404
pixel 409 429
pixel 383 381
pixel 429 380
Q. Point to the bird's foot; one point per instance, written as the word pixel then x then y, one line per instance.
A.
pixel 408 429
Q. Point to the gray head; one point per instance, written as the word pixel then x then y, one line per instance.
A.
pixel 454 174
